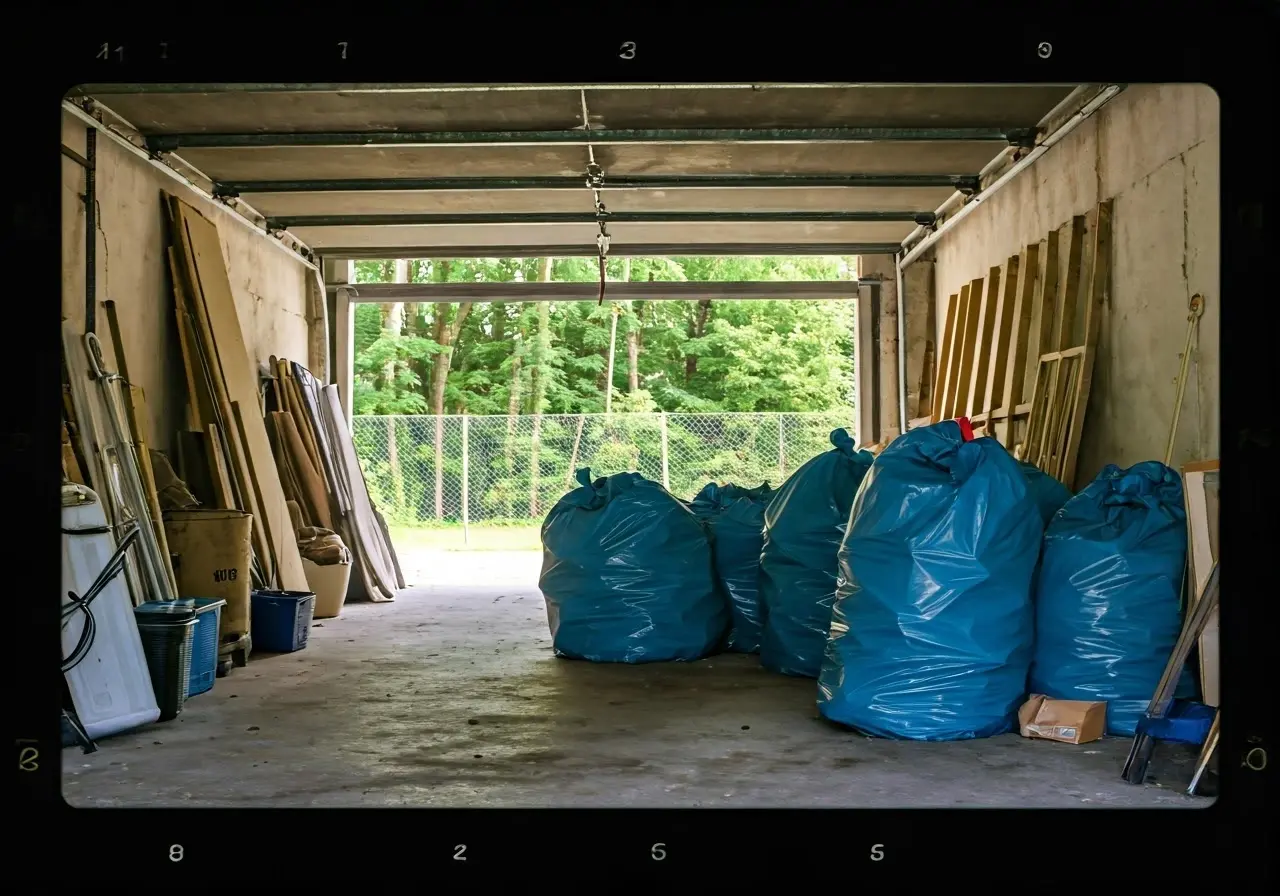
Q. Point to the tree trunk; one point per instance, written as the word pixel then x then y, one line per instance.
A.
pixel 393 322
pixel 445 333
pixel 513 411
pixel 539 389
pixel 633 354
pixel 697 329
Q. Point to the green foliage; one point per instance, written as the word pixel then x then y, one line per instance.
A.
pixel 778 355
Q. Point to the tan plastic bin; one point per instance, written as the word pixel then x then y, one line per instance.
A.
pixel 330 585
pixel 212 558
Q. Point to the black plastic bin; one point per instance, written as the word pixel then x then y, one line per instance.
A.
pixel 167 634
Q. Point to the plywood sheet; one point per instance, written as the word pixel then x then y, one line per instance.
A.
pixel 240 380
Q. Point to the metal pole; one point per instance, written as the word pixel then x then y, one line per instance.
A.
pixel 466 475
pixel 90 230
pixel 470 219
pixel 666 476
pixel 782 449
pixel 902 346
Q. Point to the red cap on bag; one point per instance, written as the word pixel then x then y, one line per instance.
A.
pixel 966 428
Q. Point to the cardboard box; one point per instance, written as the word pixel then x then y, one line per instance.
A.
pixel 1066 721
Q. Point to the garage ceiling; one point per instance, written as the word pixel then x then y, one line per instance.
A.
pixel 415 170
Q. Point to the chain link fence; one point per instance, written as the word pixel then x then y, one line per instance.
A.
pixel 509 471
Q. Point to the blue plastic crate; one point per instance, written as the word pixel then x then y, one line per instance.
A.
pixel 281 620
pixel 204 646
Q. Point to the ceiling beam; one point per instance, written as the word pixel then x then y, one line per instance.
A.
pixel 223 87
pixel 529 291
pixel 616 250
pixel 525 218
pixel 600 137
pixel 641 182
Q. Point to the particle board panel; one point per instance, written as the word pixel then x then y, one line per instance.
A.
pixel 204 337
pixel 241 386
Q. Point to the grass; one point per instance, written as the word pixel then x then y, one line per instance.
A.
pixel 477 538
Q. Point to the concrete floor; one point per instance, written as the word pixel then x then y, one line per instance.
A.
pixel 451 697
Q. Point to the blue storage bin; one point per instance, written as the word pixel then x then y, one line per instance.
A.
pixel 204 645
pixel 281 620
pixel 207 613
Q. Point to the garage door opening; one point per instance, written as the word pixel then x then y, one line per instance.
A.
pixel 379 329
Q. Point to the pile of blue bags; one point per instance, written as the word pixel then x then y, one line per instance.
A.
pixel 627 575
pixel 803 527
pixel 928 589
pixel 1108 611
pixel 932 630
pixel 735 518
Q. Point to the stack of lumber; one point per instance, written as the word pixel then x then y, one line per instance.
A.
pixel 290 463
pixel 322 477
pixel 1037 318
pixel 225 428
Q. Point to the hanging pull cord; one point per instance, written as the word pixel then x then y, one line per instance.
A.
pixel 114 566
pixel 595 183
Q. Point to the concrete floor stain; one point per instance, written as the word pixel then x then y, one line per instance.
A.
pixel 464 726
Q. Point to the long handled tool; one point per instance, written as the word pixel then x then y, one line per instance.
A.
pixel 1135 766
pixel 1194 310
pixel 153 570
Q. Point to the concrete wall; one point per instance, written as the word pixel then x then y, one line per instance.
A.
pixel 1154 150
pixel 271 288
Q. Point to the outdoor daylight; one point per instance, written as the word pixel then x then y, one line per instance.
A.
pixel 671 446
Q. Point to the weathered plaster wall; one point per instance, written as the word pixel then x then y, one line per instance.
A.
pixel 271 289
pixel 1154 150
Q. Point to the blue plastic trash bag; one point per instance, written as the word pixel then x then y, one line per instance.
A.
pixel 627 575
pixel 735 517
pixel 933 626
pixel 1107 602
pixel 1049 493
pixel 803 527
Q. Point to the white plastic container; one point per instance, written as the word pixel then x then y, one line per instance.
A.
pixel 111 686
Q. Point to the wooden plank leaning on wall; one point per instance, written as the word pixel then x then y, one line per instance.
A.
pixel 1036 317
pixel 226 392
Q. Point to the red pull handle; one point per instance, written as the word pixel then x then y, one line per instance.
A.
pixel 966 428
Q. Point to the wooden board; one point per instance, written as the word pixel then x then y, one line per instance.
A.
pixel 981 345
pixel 1014 384
pixel 967 345
pixel 941 379
pixel 1095 297
pixel 1001 336
pixel 241 390
pixel 1065 306
pixel 205 342
pixel 220 478
pixel 1200 488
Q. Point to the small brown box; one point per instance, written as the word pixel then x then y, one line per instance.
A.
pixel 1066 721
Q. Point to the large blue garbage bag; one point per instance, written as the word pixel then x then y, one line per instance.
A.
pixel 1107 601
pixel 803 527
pixel 735 517
pixel 1049 493
pixel 933 627
pixel 627 575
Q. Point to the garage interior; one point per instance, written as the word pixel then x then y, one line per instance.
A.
pixel 1083 215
